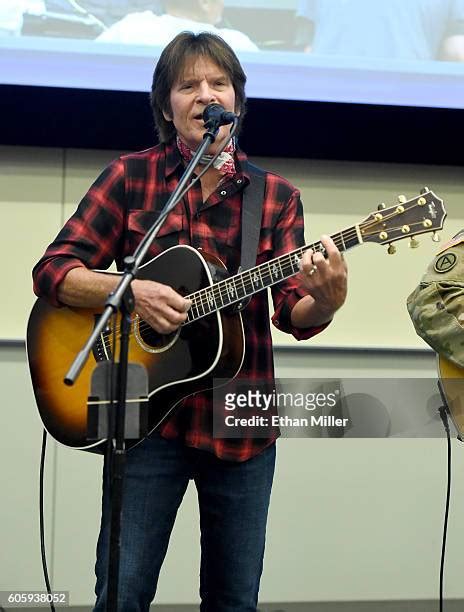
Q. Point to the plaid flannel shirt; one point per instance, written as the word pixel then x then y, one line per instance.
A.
pixel 117 211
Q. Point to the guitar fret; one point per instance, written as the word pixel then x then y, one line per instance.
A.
pixel 245 279
pixel 251 282
pixel 245 293
pixel 195 305
pixel 239 289
pixel 210 300
pixel 278 270
pixel 255 279
pixel 342 246
pixel 275 271
pixel 285 264
pixel 266 269
pixel 222 286
pixel 231 290
pixel 236 293
pixel 294 261
pixel 350 240
pixel 218 288
pixel 201 302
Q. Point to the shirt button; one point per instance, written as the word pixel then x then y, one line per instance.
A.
pixel 239 181
pixel 223 192
pixel 276 323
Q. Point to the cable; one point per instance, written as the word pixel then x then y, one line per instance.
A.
pixel 41 519
pixel 444 418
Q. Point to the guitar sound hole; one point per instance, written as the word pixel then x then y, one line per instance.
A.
pixel 151 340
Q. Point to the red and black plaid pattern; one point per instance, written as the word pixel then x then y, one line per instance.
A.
pixel 117 211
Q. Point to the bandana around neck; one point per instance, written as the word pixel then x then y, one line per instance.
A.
pixel 224 163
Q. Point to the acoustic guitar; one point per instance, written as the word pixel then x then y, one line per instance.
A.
pixel 209 345
pixel 452 386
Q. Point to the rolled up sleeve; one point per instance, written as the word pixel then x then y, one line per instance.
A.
pixel 90 238
pixel 289 235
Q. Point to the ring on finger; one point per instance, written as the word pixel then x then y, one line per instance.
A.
pixel 313 269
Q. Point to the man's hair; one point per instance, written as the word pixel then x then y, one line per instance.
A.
pixel 171 64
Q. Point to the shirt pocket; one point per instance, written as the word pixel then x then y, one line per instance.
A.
pixel 139 223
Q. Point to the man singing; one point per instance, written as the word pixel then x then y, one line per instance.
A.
pixel 233 477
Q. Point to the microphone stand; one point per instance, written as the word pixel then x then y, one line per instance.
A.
pixel 122 299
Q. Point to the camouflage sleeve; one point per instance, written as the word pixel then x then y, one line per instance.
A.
pixel 436 306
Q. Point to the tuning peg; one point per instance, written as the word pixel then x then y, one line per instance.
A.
pixel 402 199
pixel 391 249
pixel 424 189
pixel 436 237
pixel 381 206
pixel 413 243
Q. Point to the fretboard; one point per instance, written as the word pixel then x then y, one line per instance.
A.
pixel 245 284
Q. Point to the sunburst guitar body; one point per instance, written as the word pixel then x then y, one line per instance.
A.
pixel 177 365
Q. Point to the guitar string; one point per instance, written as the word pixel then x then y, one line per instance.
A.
pixel 221 289
pixel 209 295
pixel 200 297
pixel 208 298
pixel 248 285
pixel 202 300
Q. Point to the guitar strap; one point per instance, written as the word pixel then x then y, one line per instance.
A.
pixel 252 211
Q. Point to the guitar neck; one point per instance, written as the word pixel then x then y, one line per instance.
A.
pixel 245 284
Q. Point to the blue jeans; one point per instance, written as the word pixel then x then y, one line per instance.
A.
pixel 233 501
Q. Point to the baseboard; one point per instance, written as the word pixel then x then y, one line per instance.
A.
pixel 451 605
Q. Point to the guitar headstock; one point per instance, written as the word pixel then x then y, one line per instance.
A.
pixel 420 215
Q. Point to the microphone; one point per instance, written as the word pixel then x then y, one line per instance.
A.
pixel 215 115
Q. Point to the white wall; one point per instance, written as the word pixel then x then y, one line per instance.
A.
pixel 355 519
pixel 39 188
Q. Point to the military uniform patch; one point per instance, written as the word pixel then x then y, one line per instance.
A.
pixel 445 262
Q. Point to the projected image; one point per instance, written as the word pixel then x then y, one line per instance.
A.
pixel 408 52
pixel 152 22
pixel 403 29
pixel 406 29
pixel 150 28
